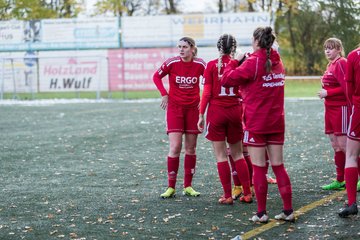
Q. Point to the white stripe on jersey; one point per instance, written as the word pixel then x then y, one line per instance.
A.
pixel 246 136
pixel 352 112
pixel 341 68
pixel 344 120
pixel 201 62
pixel 256 70
pixel 172 61
pixel 207 129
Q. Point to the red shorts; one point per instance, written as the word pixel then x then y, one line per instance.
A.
pixel 224 123
pixel 182 119
pixel 336 120
pixel 354 124
pixel 262 140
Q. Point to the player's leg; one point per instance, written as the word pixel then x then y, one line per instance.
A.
pixel 224 171
pixel 283 181
pixel 173 161
pixel 351 177
pixel 242 170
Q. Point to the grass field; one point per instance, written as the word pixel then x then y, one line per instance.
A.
pixel 293 88
pixel 94 170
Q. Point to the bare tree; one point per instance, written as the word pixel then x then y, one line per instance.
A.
pixel 118 7
pixel 221 6
pixel 170 7
pixel 151 7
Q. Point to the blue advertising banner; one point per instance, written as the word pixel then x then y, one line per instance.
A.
pixel 59 34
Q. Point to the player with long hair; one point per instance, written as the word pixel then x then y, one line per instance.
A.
pixel 224 121
pixel 261 78
pixel 181 104
pixel 336 109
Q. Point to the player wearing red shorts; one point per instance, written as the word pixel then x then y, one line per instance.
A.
pixel 352 79
pixel 223 121
pixel 336 109
pixel 181 105
pixel 261 78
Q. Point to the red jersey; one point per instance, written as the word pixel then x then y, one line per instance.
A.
pixel 184 79
pixel 213 92
pixel 333 81
pixel 352 77
pixel 263 93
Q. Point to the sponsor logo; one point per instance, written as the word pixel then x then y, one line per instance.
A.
pixel 186 80
pixel 274 84
pixel 274 76
pixel 251 140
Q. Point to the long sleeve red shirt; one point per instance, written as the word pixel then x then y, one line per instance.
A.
pixel 184 79
pixel 333 81
pixel 213 92
pixel 352 77
pixel 262 92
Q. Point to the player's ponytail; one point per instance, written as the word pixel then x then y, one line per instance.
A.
pixel 266 38
pixel 226 46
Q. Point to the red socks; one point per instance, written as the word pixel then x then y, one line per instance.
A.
pixel 351 178
pixel 250 168
pixel 173 167
pixel 284 186
pixel 261 187
pixel 189 169
pixel 225 177
pixel 234 172
pixel 243 175
pixel 340 158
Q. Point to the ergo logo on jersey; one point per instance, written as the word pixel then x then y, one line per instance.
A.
pixel 186 80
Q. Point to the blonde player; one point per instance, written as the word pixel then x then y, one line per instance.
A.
pixel 181 104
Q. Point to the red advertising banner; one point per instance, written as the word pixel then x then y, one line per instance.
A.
pixel 132 69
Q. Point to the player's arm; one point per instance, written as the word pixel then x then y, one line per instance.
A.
pixel 349 80
pixel 237 72
pixel 205 97
pixel 339 73
pixel 157 79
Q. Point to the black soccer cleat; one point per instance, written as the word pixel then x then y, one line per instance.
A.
pixel 349 210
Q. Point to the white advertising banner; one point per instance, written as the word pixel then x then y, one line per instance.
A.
pixel 73 71
pixel 18 72
pixel 165 31
pixel 59 34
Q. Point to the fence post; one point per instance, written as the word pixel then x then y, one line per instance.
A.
pixel 13 77
pixel 2 80
pixel 99 79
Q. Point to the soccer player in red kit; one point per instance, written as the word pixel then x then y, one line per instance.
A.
pixel 224 121
pixel 352 79
pixel 336 109
pixel 181 103
pixel 261 78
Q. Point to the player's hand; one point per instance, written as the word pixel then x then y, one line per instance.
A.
pixel 164 102
pixel 200 123
pixel 239 56
pixel 322 94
